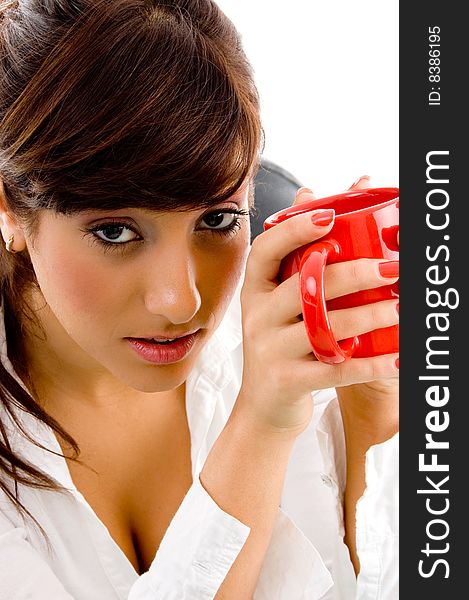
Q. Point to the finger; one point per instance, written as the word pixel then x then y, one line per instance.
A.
pixel 287 300
pixel 270 247
pixel 345 323
pixel 303 195
pixel 348 322
pixel 357 275
pixel 340 279
pixel 319 375
pixel 361 183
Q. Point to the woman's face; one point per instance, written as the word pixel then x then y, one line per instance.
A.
pixel 111 278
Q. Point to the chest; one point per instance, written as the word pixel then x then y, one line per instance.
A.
pixel 135 483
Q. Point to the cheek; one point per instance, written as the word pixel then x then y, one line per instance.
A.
pixel 72 284
pixel 221 275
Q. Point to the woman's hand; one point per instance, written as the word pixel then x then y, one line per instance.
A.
pixel 383 389
pixel 280 371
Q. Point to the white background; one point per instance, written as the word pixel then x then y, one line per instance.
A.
pixel 327 74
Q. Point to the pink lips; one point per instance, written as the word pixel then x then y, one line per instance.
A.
pixel 159 353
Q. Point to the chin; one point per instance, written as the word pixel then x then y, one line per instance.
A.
pixel 152 379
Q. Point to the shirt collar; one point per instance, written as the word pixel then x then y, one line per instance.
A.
pixel 214 361
pixel 230 330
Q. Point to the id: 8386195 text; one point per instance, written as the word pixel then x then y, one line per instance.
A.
pixel 434 66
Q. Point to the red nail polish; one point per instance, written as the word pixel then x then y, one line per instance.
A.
pixel 389 269
pixel 397 362
pixel 323 218
pixel 357 181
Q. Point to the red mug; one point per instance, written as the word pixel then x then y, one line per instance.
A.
pixel 366 226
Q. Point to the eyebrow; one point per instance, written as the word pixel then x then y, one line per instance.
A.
pixel 235 198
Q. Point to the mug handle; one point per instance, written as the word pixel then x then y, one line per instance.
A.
pixel 313 300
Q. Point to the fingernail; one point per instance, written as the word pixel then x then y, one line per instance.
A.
pixel 367 177
pixel 323 218
pixel 304 190
pixel 389 269
pixel 397 362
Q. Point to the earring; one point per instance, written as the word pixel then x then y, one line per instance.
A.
pixel 9 244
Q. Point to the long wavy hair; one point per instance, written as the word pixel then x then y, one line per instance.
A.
pixel 110 104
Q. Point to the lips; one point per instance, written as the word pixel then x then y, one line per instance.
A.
pixel 162 338
pixel 163 350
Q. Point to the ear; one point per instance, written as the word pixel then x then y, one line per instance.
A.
pixel 9 225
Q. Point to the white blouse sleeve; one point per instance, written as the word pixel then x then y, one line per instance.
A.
pixel 203 541
pixel 378 523
pixel 196 552
pixel 377 512
pixel 292 568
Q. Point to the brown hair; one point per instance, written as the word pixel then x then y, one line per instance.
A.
pixel 110 104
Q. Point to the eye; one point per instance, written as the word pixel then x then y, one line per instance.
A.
pixel 219 220
pixel 222 221
pixel 114 233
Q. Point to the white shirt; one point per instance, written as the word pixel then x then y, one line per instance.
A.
pixel 306 558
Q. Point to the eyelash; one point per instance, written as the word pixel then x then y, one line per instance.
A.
pixel 121 246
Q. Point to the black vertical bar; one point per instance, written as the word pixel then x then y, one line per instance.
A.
pixel 434 361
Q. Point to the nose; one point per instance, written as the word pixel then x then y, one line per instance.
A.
pixel 171 289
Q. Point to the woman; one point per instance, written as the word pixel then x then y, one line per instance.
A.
pixel 129 140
